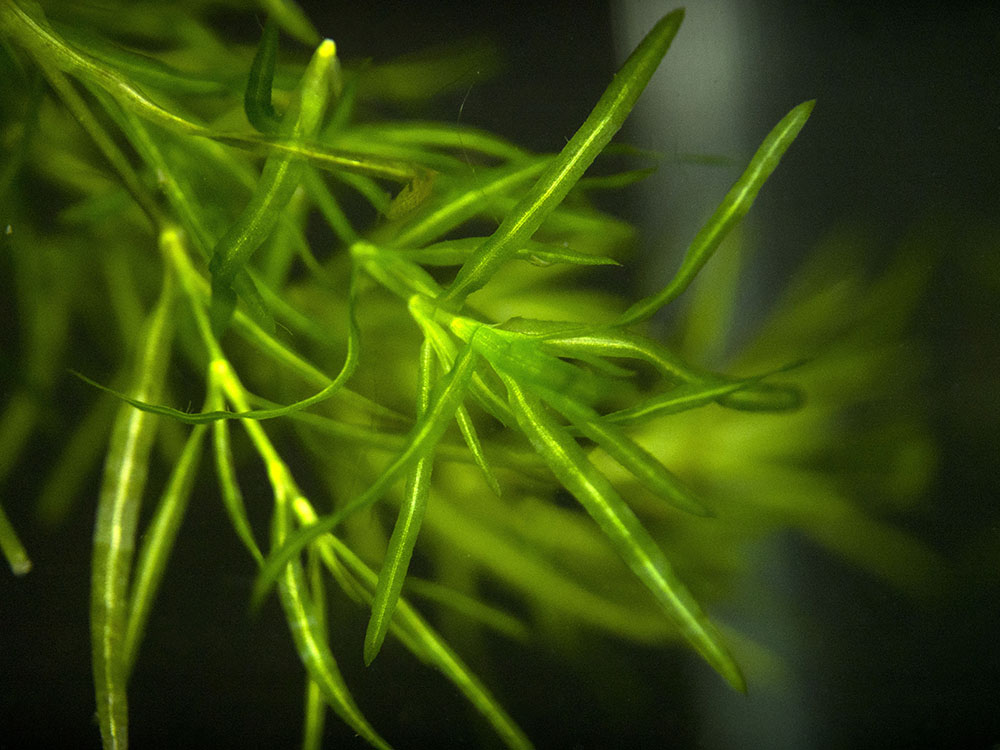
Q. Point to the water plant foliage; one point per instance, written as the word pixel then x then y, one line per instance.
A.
pixel 407 351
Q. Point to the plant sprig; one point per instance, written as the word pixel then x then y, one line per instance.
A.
pixel 230 178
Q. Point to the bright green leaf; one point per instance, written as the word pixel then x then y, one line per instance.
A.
pixel 562 174
pixel 625 532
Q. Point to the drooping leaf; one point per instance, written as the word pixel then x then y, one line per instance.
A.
pixel 335 386
pixel 421 440
pixel 406 529
pixel 629 538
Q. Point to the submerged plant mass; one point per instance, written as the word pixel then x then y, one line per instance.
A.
pixel 276 282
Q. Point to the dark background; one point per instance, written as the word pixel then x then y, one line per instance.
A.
pixel 906 134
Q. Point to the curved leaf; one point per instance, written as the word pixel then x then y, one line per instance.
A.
pixel 629 538
pixel 733 208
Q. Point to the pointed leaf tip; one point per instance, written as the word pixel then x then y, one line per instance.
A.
pixel 729 213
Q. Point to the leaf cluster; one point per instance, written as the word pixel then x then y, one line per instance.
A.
pixel 201 170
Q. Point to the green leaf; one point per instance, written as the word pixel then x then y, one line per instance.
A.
pixel 456 252
pixel 460 138
pixel 307 623
pixel 334 160
pixel 314 719
pixel 632 456
pixel 629 538
pixel 733 208
pixel 279 179
pixel 336 385
pixel 423 311
pixel 53 56
pixel 684 397
pixel 394 271
pixel 343 109
pixel 420 441
pixel 527 556
pixel 232 496
pixel 468 429
pixel 270 347
pixel 117 515
pixel 292 19
pixel 328 206
pixel 616 181
pixel 613 342
pixel 311 641
pixel 62 490
pixel 467 200
pixel 203 417
pixel 562 174
pixel 144 69
pixel 157 544
pixel 257 99
pixel 469 607
pixel 521 356
pixel 174 179
pixel 701 386
pixel 427 644
pixel 407 528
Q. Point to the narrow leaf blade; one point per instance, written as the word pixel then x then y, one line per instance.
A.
pixel 406 530
pixel 125 471
pixel 633 457
pixel 305 624
pixel 421 439
pixel 257 98
pixel 279 179
pixel 563 173
pixel 157 543
pixel 427 644
pixel 12 548
pixel 732 209
pixel 624 530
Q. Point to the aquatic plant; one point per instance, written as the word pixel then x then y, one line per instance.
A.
pixel 236 227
